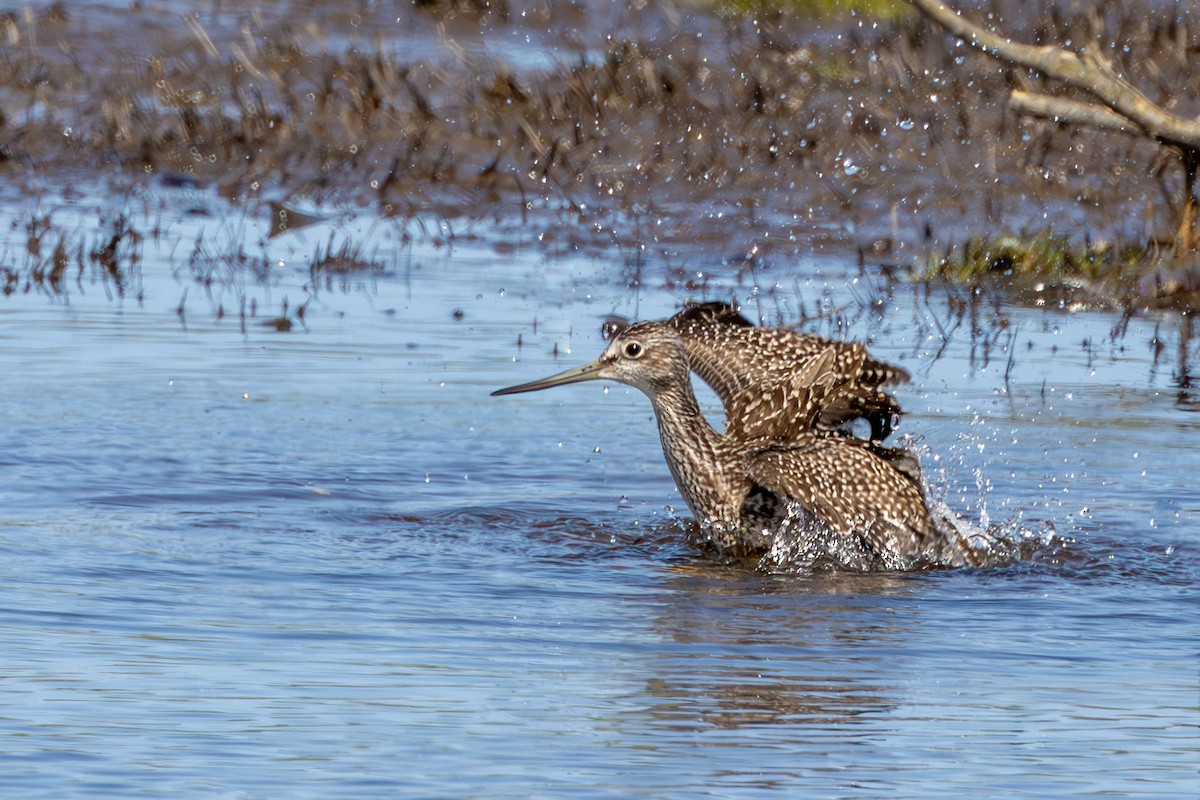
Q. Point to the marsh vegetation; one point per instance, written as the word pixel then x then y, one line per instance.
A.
pixel 762 128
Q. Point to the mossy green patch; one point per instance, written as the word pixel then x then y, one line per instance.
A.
pixel 1042 257
pixel 820 9
pixel 1047 269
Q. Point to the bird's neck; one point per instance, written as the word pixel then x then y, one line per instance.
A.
pixel 694 453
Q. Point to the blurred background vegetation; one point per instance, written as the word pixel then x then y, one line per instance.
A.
pixel 834 127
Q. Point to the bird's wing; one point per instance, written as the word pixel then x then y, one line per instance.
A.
pixel 722 346
pixel 712 313
pixel 788 347
pixel 872 372
pixel 785 409
pixel 853 491
pixel 733 356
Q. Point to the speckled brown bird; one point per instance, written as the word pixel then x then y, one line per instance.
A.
pixel 773 478
pixel 731 354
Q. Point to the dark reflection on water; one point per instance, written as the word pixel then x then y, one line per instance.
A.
pixel 782 644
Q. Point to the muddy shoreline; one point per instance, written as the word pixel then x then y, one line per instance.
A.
pixel 671 127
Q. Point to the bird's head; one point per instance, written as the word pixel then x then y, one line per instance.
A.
pixel 647 355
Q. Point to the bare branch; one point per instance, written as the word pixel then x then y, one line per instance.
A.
pixel 1090 73
pixel 1061 109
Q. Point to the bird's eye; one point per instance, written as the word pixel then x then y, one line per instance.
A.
pixel 634 350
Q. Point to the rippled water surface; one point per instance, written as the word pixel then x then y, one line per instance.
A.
pixel 325 563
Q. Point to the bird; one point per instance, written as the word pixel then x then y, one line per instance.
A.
pixel 773 480
pixel 731 354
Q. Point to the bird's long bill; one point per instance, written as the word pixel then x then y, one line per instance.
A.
pixel 588 372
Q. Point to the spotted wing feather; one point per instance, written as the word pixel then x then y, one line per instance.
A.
pixel 786 409
pixel 732 355
pixel 855 493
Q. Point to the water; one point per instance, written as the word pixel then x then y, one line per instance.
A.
pixel 240 562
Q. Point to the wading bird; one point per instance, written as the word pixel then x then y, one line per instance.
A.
pixel 773 478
